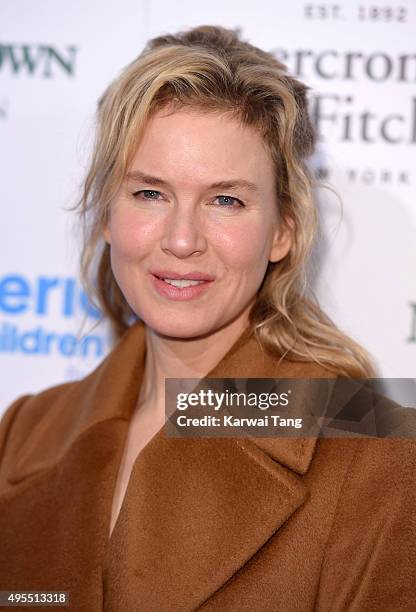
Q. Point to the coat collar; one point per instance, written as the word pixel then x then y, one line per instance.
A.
pixel 195 511
pixel 110 392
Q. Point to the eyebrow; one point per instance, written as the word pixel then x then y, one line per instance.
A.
pixel 147 179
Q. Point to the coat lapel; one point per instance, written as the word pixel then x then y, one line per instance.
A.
pixel 195 511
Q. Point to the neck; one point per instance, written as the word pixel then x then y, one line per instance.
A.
pixel 168 357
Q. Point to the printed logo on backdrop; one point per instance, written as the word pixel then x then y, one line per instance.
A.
pixel 382 14
pixel 344 118
pixel 356 113
pixel 42 316
pixel 42 61
pixel 34 61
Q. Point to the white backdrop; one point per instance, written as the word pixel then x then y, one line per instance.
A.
pixel 57 57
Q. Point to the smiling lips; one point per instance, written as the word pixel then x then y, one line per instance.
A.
pixel 194 275
pixel 177 286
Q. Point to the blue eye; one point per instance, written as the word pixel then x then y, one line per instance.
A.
pixel 146 193
pixel 229 202
pixel 153 195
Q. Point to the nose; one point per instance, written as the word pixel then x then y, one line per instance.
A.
pixel 183 234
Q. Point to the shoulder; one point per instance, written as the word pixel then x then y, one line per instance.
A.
pixel 32 412
pixel 47 423
pixel 34 407
pixel 376 485
pixel 27 415
pixel 386 466
pixel 379 437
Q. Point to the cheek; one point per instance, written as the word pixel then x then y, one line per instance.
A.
pixel 244 245
pixel 132 236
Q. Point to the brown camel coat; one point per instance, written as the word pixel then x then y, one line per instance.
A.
pixel 270 525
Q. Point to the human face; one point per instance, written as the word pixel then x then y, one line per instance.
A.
pixel 168 221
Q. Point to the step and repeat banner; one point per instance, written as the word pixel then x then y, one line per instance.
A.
pixel 56 58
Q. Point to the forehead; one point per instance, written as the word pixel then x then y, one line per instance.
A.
pixel 189 141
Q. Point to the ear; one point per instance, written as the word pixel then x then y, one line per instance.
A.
pixel 106 234
pixel 282 240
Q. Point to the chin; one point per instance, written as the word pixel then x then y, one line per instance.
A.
pixel 185 328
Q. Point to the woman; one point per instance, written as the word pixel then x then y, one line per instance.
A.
pixel 200 221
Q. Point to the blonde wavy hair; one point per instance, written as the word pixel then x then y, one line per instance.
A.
pixel 211 68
